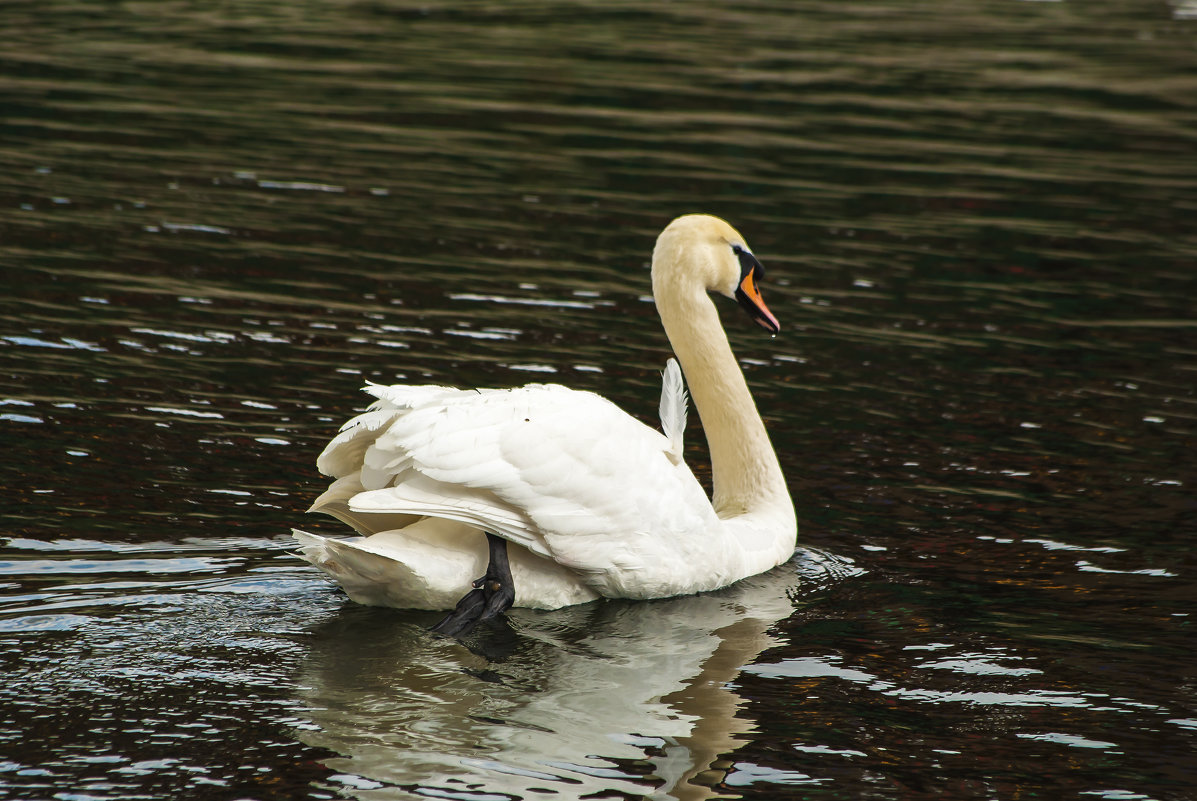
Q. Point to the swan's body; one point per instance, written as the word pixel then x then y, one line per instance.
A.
pixel 589 501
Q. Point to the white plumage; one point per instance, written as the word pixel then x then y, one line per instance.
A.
pixel 590 501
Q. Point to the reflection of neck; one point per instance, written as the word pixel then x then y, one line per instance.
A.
pixel 744 468
pixel 713 707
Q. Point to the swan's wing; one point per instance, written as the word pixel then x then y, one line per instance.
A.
pixel 336 499
pixel 343 456
pixel 673 408
pixel 566 474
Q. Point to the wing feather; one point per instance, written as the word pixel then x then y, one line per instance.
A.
pixel 343 455
pixel 566 474
pixel 673 408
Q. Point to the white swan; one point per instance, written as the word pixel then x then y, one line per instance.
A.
pixel 567 497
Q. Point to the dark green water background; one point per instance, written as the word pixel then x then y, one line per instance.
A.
pixel 978 219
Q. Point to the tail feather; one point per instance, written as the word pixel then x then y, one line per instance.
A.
pixel 414 575
pixel 431 564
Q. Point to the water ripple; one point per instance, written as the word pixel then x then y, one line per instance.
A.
pixel 978 229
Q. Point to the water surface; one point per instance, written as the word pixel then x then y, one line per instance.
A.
pixel 215 224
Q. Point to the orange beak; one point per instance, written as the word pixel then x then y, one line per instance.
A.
pixel 750 299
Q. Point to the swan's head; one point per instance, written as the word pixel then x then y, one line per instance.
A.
pixel 705 250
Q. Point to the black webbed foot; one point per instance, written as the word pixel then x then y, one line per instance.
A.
pixel 464 617
pixel 492 595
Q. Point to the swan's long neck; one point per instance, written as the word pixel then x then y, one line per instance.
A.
pixel 746 474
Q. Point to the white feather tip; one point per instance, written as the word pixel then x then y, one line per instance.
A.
pixel 673 407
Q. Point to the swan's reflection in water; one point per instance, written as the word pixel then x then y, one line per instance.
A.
pixel 616 696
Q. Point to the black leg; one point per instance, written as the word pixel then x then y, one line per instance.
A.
pixel 492 595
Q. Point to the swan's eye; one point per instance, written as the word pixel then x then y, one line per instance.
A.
pixel 748 263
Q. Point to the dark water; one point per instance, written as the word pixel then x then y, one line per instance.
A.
pixel 216 220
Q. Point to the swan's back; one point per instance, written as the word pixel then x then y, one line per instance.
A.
pixel 562 473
